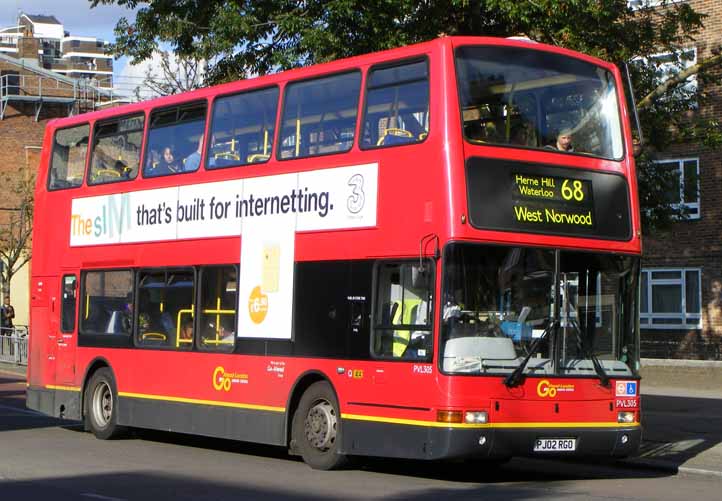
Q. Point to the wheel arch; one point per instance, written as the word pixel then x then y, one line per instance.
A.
pixel 93 367
pixel 302 383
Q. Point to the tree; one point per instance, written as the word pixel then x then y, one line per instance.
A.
pixel 17 221
pixel 170 74
pixel 241 38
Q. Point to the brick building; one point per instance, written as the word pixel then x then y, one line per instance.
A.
pixel 43 40
pixel 38 83
pixel 681 308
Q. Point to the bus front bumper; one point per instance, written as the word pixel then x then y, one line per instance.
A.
pixel 540 442
pixel 418 442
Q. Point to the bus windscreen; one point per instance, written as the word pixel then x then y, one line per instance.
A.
pixel 531 99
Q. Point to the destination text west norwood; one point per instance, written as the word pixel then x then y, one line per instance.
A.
pixel 546 200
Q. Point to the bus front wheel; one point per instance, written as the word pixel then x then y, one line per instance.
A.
pixel 316 428
pixel 101 405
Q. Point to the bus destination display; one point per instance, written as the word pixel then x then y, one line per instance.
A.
pixel 545 199
pixel 549 200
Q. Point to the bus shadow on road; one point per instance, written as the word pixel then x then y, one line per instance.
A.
pixel 678 429
pixel 479 471
pixel 140 486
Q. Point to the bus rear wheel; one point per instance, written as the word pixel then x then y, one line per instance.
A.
pixel 316 428
pixel 101 405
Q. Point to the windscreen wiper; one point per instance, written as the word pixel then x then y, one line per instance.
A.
pixel 515 377
pixel 589 353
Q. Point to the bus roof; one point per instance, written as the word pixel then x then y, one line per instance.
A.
pixel 317 70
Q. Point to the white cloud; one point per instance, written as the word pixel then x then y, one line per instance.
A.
pixel 133 76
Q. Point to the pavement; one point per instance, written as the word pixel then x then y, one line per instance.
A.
pixel 681 416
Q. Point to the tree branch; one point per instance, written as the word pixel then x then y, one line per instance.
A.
pixel 680 77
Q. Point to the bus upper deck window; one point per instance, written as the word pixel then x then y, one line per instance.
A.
pixel 397 105
pixel 319 116
pixel 67 164
pixel 242 128
pixel 175 140
pixel 116 150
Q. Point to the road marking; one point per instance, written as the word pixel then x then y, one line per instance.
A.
pixel 699 471
pixel 100 496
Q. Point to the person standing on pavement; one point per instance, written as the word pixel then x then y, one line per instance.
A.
pixel 8 314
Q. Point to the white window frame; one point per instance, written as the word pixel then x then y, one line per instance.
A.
pixel 693 208
pixel 687 320
pixel 647 4
pixel 671 68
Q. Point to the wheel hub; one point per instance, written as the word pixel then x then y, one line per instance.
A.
pixel 320 426
pixel 102 404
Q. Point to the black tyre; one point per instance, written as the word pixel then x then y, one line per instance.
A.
pixel 101 405
pixel 316 428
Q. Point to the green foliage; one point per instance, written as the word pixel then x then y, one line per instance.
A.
pixel 243 38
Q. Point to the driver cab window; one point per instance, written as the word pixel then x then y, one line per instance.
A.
pixel 402 310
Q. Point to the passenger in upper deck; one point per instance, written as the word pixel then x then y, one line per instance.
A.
pixel 193 161
pixel 564 141
pixel 167 164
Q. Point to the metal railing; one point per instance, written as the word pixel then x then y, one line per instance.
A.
pixel 86 94
pixel 14 345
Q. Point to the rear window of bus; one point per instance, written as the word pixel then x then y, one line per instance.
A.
pixel 67 165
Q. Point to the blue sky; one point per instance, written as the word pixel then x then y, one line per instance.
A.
pixel 76 15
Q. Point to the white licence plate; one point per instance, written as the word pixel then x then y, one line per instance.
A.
pixel 555 444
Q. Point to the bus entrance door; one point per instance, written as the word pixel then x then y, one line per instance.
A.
pixel 64 337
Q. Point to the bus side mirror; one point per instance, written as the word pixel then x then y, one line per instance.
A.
pixel 636 148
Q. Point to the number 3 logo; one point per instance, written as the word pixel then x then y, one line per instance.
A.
pixel 356 200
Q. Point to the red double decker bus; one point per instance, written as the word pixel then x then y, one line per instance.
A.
pixel 428 252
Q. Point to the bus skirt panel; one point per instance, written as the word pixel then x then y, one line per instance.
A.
pixel 231 422
pixel 60 402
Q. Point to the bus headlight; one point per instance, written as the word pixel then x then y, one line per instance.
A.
pixel 476 417
pixel 625 417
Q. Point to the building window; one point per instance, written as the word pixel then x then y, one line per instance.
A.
pixel 669 64
pixel 684 192
pixel 670 298
pixel 647 4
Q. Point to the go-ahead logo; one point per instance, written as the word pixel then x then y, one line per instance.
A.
pixel 223 380
pixel 547 389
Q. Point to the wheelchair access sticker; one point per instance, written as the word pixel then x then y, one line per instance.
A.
pixel 626 389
